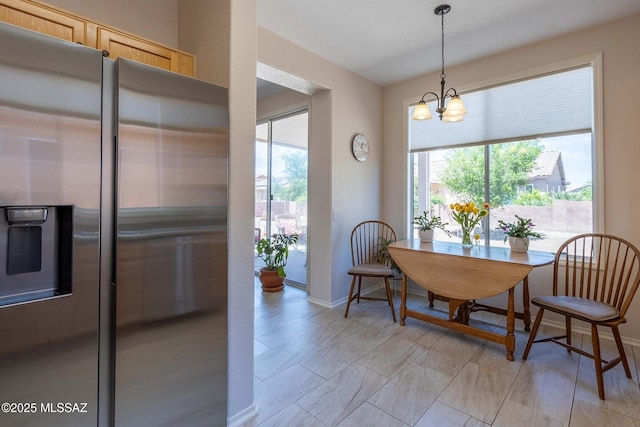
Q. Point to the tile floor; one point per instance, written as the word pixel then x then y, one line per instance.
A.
pixel 314 368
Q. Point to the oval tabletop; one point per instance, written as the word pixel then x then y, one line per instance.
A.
pixel 449 270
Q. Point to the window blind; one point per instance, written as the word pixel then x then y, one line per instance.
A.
pixel 556 103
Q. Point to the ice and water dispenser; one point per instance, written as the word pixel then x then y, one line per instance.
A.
pixel 35 252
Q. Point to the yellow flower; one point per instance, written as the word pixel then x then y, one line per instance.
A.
pixel 452 206
pixel 475 211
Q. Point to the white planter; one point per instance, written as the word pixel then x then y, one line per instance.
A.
pixel 426 235
pixel 519 244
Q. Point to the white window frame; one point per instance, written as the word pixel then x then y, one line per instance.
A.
pixel 593 60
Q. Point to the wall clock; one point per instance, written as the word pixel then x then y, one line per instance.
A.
pixel 360 147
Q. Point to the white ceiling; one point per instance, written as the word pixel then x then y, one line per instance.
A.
pixel 387 41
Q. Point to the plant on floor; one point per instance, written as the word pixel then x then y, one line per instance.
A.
pixel 382 255
pixel 274 251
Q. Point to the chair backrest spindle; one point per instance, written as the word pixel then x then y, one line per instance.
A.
pixel 600 267
pixel 367 240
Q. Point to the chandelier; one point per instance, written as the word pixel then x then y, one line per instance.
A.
pixel 454 111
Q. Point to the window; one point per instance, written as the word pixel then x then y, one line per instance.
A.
pixel 536 162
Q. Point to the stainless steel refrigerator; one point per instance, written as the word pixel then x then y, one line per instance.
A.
pixel 113 240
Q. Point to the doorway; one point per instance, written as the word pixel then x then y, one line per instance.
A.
pixel 281 187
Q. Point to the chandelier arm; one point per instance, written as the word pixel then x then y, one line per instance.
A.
pixel 432 93
pixel 450 90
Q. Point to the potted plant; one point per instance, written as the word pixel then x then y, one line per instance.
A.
pixel 382 255
pixel 274 251
pixel 427 225
pixel 518 233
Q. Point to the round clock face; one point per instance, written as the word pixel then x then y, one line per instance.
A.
pixel 360 147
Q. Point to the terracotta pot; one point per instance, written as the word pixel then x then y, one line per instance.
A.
pixel 426 235
pixel 519 244
pixel 271 281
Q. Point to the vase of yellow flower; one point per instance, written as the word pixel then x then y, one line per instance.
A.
pixel 468 215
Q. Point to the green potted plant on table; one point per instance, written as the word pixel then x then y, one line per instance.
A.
pixel 427 226
pixel 274 251
pixel 518 233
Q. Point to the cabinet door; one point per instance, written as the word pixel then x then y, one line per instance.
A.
pixel 43 20
pixel 126 46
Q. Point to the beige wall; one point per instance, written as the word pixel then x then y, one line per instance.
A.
pixel 337 182
pixel 204 30
pixel 621 134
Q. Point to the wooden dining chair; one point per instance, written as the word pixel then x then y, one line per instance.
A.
pixel 370 258
pixel 595 277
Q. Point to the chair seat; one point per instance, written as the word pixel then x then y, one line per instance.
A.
pixel 580 307
pixel 371 270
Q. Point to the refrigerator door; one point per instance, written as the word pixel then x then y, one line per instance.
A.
pixel 171 250
pixel 50 97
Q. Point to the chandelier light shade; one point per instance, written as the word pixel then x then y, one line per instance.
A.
pixel 454 110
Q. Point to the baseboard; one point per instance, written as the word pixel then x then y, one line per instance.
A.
pixel 238 419
pixel 343 300
pixel 325 304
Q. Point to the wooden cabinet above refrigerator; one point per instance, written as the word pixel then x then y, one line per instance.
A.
pixel 61 24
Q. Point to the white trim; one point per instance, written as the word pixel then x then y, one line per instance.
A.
pixel 341 301
pixel 238 419
pixel 407 204
pixel 597 132
pixel 327 304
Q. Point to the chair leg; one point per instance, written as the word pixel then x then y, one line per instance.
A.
pixel 359 289
pixel 532 335
pixel 353 284
pixel 597 359
pixel 623 356
pixel 567 321
pixel 390 299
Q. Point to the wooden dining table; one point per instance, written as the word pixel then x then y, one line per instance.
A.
pixel 462 276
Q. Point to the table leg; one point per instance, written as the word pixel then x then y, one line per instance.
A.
pixel 403 299
pixel 431 297
pixel 510 339
pixel 526 312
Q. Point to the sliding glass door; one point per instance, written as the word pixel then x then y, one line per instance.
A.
pixel 281 186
